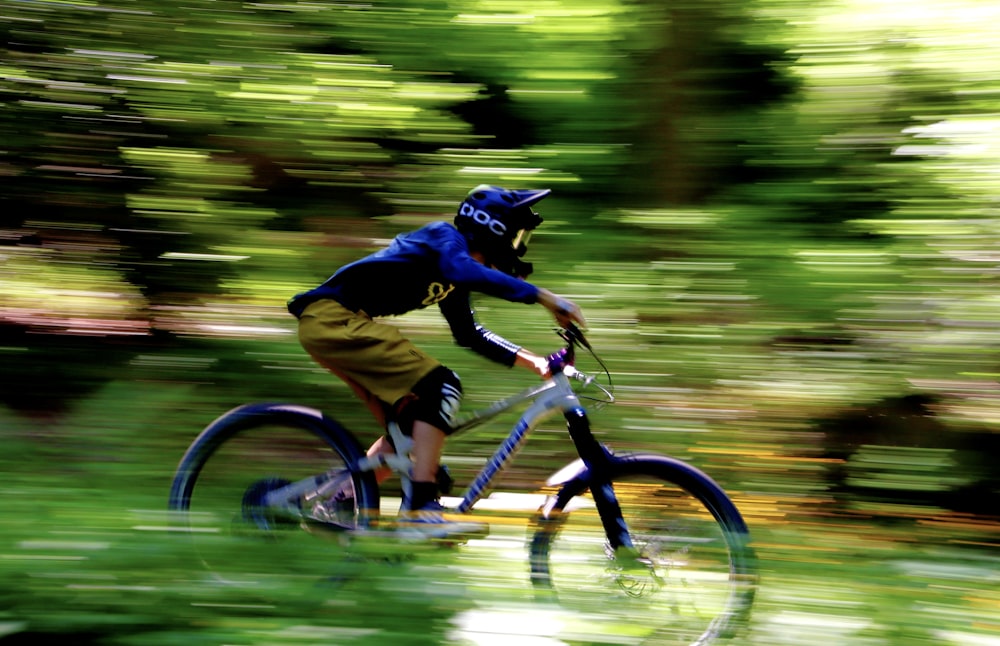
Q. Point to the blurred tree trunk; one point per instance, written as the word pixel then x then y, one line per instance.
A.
pixel 671 176
pixel 696 93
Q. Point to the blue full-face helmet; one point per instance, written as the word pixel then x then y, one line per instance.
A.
pixel 498 223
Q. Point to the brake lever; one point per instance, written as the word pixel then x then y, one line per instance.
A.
pixel 572 334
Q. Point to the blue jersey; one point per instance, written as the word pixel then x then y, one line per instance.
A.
pixel 428 266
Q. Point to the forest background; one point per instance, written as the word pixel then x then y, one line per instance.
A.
pixel 779 217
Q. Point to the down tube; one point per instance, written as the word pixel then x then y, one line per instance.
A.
pixel 502 456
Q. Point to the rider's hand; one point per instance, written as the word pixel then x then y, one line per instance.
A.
pixel 533 362
pixel 564 310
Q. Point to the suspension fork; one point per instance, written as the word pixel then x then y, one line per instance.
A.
pixel 598 459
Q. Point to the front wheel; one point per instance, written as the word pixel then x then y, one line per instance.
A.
pixel 246 491
pixel 689 576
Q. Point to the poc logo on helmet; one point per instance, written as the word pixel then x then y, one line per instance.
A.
pixel 483 218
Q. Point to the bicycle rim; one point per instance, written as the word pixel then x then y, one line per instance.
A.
pixel 689 579
pixel 238 536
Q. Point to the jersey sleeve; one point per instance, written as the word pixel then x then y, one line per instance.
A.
pixel 468 333
pixel 460 268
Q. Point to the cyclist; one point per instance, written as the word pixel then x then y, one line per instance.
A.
pixel 441 263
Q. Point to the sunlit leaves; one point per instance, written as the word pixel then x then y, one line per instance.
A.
pixel 90 293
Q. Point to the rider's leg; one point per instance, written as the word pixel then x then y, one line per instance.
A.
pixel 382 366
pixel 436 399
pixel 428 444
pixel 384 447
pixel 377 407
pixel 429 413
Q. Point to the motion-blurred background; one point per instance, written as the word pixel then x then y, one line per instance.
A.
pixel 782 220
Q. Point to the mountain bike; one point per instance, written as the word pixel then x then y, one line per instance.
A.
pixel 647 536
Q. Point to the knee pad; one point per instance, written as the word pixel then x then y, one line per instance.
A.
pixel 437 398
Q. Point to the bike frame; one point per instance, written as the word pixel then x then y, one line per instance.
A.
pixel 547 399
pixel 553 396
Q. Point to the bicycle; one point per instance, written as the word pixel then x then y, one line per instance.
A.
pixel 652 533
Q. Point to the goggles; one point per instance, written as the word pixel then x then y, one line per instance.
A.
pixel 520 242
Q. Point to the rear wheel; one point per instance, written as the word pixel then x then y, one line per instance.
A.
pixel 229 492
pixel 689 577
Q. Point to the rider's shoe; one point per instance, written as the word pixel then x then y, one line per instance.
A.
pixel 433 522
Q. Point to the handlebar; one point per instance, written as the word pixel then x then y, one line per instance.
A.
pixel 572 373
pixel 573 336
pixel 562 361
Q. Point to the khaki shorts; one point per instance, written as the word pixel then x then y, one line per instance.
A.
pixel 373 358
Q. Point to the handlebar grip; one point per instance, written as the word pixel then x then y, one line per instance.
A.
pixel 573 373
pixel 560 360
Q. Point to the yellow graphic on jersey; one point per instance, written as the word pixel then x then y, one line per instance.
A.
pixel 436 292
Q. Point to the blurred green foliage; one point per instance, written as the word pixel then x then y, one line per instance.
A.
pixel 779 217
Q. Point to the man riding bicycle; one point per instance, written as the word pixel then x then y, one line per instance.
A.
pixel 440 263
